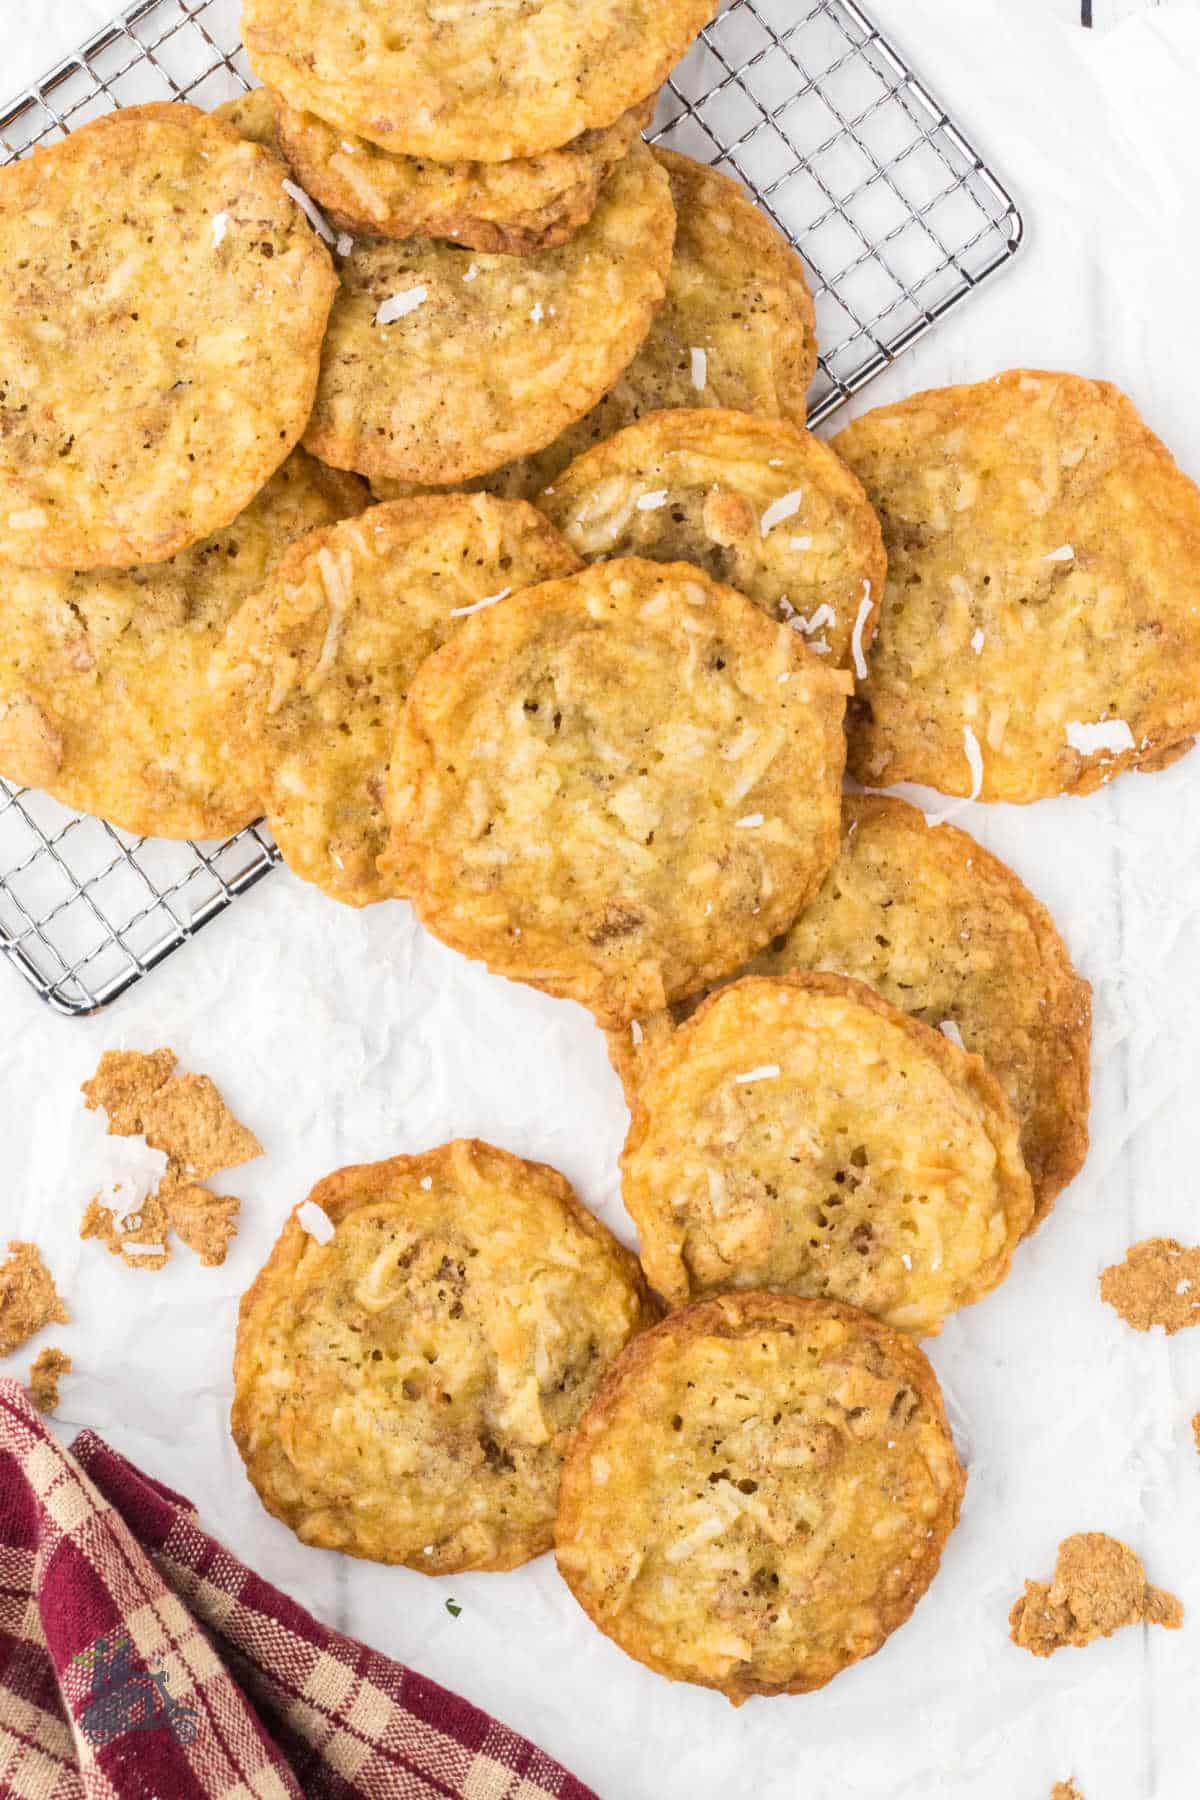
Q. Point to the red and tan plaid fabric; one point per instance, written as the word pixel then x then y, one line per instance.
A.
pixel 138 1658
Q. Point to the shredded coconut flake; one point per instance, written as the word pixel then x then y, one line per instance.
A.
pixel 779 510
pixel 426 1182
pixel 143 1249
pixel 749 822
pixel 764 1072
pixel 1064 553
pixel 652 501
pixel 220 226
pixel 472 272
pixel 316 1221
pixel 977 640
pixel 311 211
pixel 345 243
pixel 856 648
pixel 400 305
pixel 699 369
pixel 635 1031
pixel 823 616
pixel 949 1029
pixel 801 543
pixel 537 313
pixel 1112 735
pixel 974 756
pixel 460 612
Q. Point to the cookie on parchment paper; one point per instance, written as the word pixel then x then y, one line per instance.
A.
pixel 455 83
pixel 315 666
pixel 759 1493
pixel 617 786
pixel 799 1133
pixel 160 331
pixel 510 208
pixel 754 502
pixel 106 700
pixel 442 363
pixel 1040 629
pixel 417 1351
pixel 947 932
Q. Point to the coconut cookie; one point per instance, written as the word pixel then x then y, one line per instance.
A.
pixel 509 208
pixel 944 931
pixel 161 321
pixel 417 1351
pixel 737 329
pixel 441 364
pixel 1040 629
pixel 455 82
pixel 759 1493
pixel 253 115
pixel 799 1133
pixel 106 694
pixel 617 786
pixel 754 502
pixel 316 665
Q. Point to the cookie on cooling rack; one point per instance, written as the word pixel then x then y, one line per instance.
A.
pixel 759 1493
pixel 316 665
pixel 441 363
pixel 617 786
pixel 416 1352
pixel 1040 629
pixel 800 1133
pixel 737 329
pixel 161 321
pixel 925 916
pixel 106 699
pixel 757 503
pixel 508 208
pixel 469 83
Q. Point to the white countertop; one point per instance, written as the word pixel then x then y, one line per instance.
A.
pixel 341 1037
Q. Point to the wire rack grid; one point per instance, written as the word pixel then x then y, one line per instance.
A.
pixel 895 212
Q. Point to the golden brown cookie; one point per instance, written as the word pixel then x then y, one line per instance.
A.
pixel 105 694
pixel 617 786
pixel 754 502
pixel 799 1133
pixel 416 1352
pixel 509 208
pixel 452 82
pixel 441 363
pixel 253 115
pixel 759 1493
pixel 1041 623
pixel 316 665
pixel 946 932
pixel 161 321
pixel 1157 1283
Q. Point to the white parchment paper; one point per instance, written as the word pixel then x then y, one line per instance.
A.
pixel 342 1037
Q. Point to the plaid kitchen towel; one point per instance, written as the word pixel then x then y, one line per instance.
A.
pixel 139 1660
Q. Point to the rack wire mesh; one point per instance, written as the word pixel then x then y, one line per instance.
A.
pixel 895 212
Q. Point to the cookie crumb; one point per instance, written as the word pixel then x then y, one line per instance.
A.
pixel 138 1237
pixel 48 1366
pixel 205 1221
pixel 1065 1790
pixel 185 1118
pixel 1196 1432
pixel 1157 1284
pixel 28 1297
pixel 1098 1586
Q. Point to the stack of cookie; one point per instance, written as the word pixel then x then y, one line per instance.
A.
pixel 599 742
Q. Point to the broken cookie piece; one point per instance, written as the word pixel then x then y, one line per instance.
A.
pixel 138 1236
pixel 1157 1284
pixel 1065 1790
pixel 1098 1586
pixel 185 1117
pixel 28 1297
pixel 48 1367
pixel 205 1221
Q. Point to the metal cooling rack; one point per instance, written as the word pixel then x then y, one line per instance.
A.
pixel 896 215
